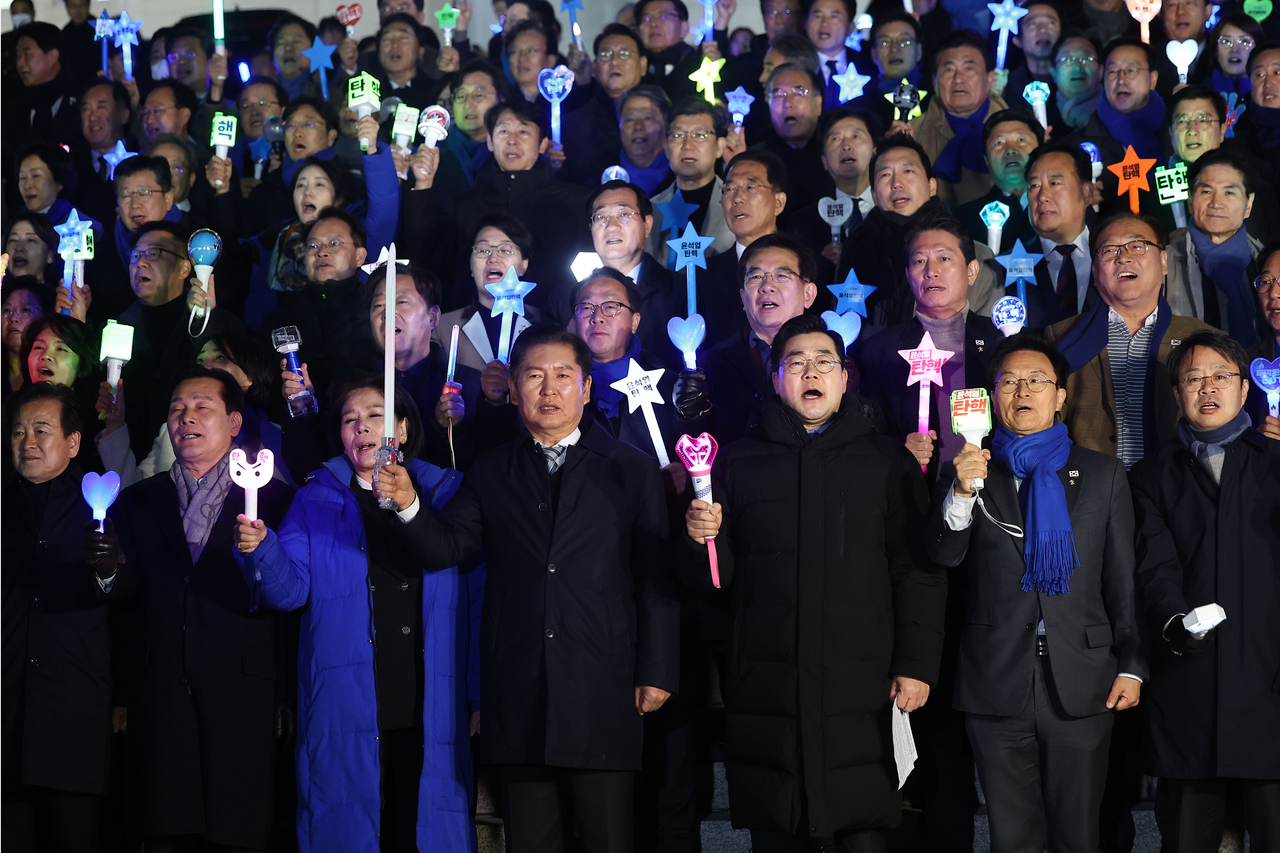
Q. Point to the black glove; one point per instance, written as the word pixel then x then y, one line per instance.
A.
pixel 102 550
pixel 1184 642
pixel 692 395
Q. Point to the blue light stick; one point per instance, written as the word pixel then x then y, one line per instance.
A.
pixel 115 157
pixel 847 326
pixel 555 84
pixel 1021 267
pixel 691 251
pixel 126 33
pixel 851 294
pixel 508 300
pixel 73 236
pixel 1006 18
pixel 204 247
pixel 321 56
pixel 572 7
pixel 100 492
pixel 740 101
pixel 103 29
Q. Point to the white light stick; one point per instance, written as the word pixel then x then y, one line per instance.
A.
pixel 1182 54
pixel 434 125
pixel 219 29
pixel 453 354
pixel 117 349
pixel 641 388
pixel 404 128
pixel 364 95
pixel 251 477
pixel 222 137
pixel 835 212
pixel 100 492
pixel 388 453
pixel 994 216
pixel 698 454
pixel 971 418
pixel 1036 93
pixel 1204 619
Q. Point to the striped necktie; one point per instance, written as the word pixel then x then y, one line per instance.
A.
pixel 555 457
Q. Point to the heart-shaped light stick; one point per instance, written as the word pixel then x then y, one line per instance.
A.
pixel 835 212
pixel 926 362
pixel 848 326
pixel 697 454
pixel 1266 375
pixel 641 388
pixel 251 477
pixel 100 492
pixel 555 85
pixel 350 16
pixel 1182 54
pixel 688 333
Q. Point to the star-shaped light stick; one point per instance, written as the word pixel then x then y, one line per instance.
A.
pixel 321 56
pixel 1006 15
pixel 994 216
pixel 740 102
pixel 851 83
pixel 641 388
pixel 707 76
pixel 508 300
pixel 74 236
pixel 691 252
pixel 447 18
pixel 572 7
pixel 906 101
pixel 126 33
pixel 851 294
pixel 926 362
pixel 1021 267
pixel 103 29
pixel 115 157
pixel 383 258
pixel 1132 172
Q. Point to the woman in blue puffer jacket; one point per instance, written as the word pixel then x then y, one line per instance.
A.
pixel 388 664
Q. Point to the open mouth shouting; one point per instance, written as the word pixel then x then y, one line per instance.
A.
pixel 1208 406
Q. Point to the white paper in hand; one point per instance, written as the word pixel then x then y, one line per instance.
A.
pixel 904 745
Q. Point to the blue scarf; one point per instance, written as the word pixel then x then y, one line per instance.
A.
pixel 964 150
pixel 1221 82
pixel 471 155
pixel 650 177
pixel 1226 265
pixel 604 374
pixel 1140 128
pixel 125 238
pixel 295 86
pixel 291 167
pixel 1048 546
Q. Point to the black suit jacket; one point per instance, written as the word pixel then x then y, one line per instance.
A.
pixel 1042 296
pixel 1092 632
pixel 1017 228
pixel 738 388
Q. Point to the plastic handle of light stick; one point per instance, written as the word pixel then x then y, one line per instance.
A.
pixel 1042 114
pixel 257 169
pixel 655 434
pixel 114 366
pixel 448 36
pixel 351 32
pixel 504 338
pixel 835 233
pixel 555 121
pixel 69 266
pixel 251 502
pixel 363 111
pixel 922 415
pixel 106 68
pixel 127 53
pixel 577 30
pixel 402 140
pixel 993 237
pixel 1273 403
pixel 691 360
pixel 1179 213
pixel 691 273
pixel 1146 32
pixel 453 353
pixel 1002 48
pixel 221 152
pixel 702 491
pixel 1022 290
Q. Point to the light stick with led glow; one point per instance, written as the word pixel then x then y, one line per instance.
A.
pixel 115 157
pixel 448 380
pixel 691 251
pixel 555 85
pixel 688 333
pixel 740 101
pixel 926 362
pixel 219 29
pixel 1009 314
pixel 1036 93
pixel 251 477
pixel 103 29
pixel 126 33
pixel 698 454
pixel 1020 265
pixel 615 173
pixel 434 125
pixel 364 95
pixel 1005 19
pixel 388 453
pixel 847 325
pixel 1144 12
pixel 447 18
pixel 508 300
pixel 75 235
pixel 1266 375
pixel 572 7
pixel 971 418
pixel 707 76
pixel 641 388
pixel 100 492
pixel 116 350
pixel 204 248
pixel 1182 54
pixel 994 216
pixel 222 137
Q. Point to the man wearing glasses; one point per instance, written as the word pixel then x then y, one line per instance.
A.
pixel 1077 83
pixel 1182 20
pixel 899 51
pixel 663 25
pixel 592 129
pixel 696 134
pixel 477 87
pixel 144 193
pixel 795 105
pixel 1051 644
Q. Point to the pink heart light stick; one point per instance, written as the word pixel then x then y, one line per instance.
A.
pixel 251 477
pixel 926 362
pixel 697 454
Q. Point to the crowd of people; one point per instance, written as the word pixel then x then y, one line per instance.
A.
pixel 534 627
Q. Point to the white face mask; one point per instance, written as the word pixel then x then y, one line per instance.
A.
pixel 20 19
pixel 160 70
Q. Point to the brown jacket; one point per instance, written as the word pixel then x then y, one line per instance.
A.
pixel 933 132
pixel 1090 409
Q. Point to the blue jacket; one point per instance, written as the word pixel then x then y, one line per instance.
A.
pixel 318 560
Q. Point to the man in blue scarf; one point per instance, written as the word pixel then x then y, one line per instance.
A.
pixel 1052 644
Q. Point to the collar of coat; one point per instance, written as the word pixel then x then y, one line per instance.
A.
pixel 779 423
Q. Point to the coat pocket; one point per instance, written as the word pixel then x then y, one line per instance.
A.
pixel 1098 636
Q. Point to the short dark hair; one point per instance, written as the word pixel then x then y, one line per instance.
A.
pixel 258 363
pixel 358 234
pixel 1241 21
pixel 803 324
pixel 285 20
pixel 172 229
pixel 869 120
pixel 1220 342
pixel 405 410
pixel 615 29
pixel 779 240
pixel 682 11
pixel 1254 58
pixel 53 156
pixel 1083 165
pixel 633 293
pixel 331 24
pixel 187 149
pixel 333 171
pixel 119 93
pixel 529 25
pixel 48 392
pixel 895 18
pixel 965 38
pixel 1012 114
pixel 157 167
pixel 655 94
pixel 1078 35
pixel 815 79
pixel 850 8
pixel 77 335
pixel 900 140
pixel 796 49
pixel 1028 341
pixel 1116 44
pixel 206 43
pixel 1267 251
pixel 184 97
pixel 1095 233
pixel 482 66
pixel 328 112
pixel 42 292
pixel 46 36
pixel 700 107
pixel 401 18
pixel 643 205
pixel 523 111
pixel 424 281
pixel 1196 92
pixel 1227 156
pixel 938 220
pixel 774 170
pixel 232 396
pixel 517 232
pixel 282 96
pixel 550 333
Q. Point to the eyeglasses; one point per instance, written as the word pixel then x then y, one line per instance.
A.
pixel 1182 123
pixel 1130 74
pixel 154 112
pixel 141 195
pixel 773 13
pixel 505 250
pixel 1218 381
pixel 749 190
pixel 331 245
pixel 1244 41
pixel 1036 385
pixel 246 105
pixel 777 96
pixel 306 125
pixel 527 52
pixel 693 135
pixel 622 217
pixel 1264 283
pixel 653 19
pixel 152 254
pixel 887 43
pixel 622 54
pixel 823 364
pixel 473 95
pixel 187 54
pixel 1134 249
pixel 583 310
pixel 1076 59
pixel 782 276
pixel 21 311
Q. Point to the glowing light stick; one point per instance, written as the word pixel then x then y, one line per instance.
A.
pixel 971 418
pixel 273 132
pixel 321 56
pixel 1036 93
pixel 1203 619
pixel 1182 54
pixel 851 83
pixel 641 388
pixel 740 101
pixel 572 7
pixel 1259 10
pixel 1006 15
pixel 555 84
pixel 100 492
pixel 926 362
pixel 434 125
pixel 615 173
pixel 862 29
pixel 103 29
pixel 447 18
pixel 1021 267
pixel 1266 375
pixel 835 212
pixel 508 300
pixel 73 235
pixel 364 95
pixel 851 294
pixel 453 353
pixel 688 333
pixel 1132 172
pixel 115 157
pixel 1173 189
pixel 388 453
pixel 204 247
pixel 4 264
pixel 906 101
pixel 691 252
pixel 404 128
pixel 1009 314
pixel 222 137
pixel 994 216
pixel 260 148
pixel 219 29
pixel 115 352
pixel 251 477
pixel 698 454
pixel 708 19
pixel 707 76
pixel 584 264
pixel 1144 12
pixel 1213 17
pixel 126 33
pixel 350 15
pixel 848 326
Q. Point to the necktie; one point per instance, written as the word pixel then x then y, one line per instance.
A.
pixel 1068 304
pixel 831 98
pixel 555 457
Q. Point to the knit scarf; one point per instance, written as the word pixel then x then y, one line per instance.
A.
pixel 1220 82
pixel 200 502
pixel 1268 122
pixel 605 373
pixel 1212 442
pixel 1225 264
pixel 964 150
pixel 471 155
pixel 1076 111
pixel 650 177
pixel 1139 128
pixel 1048 546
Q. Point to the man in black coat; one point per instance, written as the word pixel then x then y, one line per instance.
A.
pixel 837 609
pixel 591 130
pixel 1044 661
pixel 57 656
pixel 579 635
pixel 201 736
pixel 1206 506
pixel 1008 138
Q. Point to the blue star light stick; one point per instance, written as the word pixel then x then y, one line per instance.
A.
pixel 555 84
pixel 1006 18
pixel 675 214
pixel 740 102
pixel 691 252
pixel 321 56
pixel 851 83
pixel 74 237
pixel 115 157
pixel 1021 266
pixel 851 294
pixel 126 33
pixel 572 7
pixel 508 300
pixel 103 29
